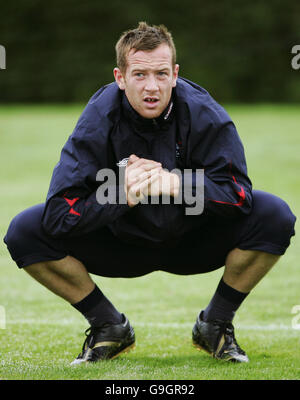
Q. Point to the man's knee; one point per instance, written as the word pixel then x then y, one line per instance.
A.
pixel 21 228
pixel 269 227
pixel 273 211
pixel 273 219
pixel 26 240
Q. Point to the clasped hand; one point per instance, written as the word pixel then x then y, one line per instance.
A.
pixel 147 178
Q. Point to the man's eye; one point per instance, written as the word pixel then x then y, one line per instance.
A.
pixel 139 74
pixel 162 73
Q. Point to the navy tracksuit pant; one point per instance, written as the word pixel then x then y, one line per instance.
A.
pixel 267 228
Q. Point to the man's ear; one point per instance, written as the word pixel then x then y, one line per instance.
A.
pixel 175 74
pixel 119 78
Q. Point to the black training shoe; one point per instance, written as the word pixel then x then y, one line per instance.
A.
pixel 106 342
pixel 217 338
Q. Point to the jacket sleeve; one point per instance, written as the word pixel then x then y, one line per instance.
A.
pixel 75 212
pixel 227 188
pixel 71 206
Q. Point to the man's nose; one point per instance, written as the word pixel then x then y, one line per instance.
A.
pixel 151 84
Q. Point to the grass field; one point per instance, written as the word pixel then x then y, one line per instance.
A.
pixel 43 333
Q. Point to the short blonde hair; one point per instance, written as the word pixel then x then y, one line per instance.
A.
pixel 145 38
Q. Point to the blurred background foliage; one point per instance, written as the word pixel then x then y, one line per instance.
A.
pixel 63 51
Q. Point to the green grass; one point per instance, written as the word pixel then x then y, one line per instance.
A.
pixel 43 333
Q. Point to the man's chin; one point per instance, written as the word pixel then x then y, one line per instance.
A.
pixel 150 114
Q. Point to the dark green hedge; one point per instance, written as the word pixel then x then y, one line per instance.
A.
pixel 64 50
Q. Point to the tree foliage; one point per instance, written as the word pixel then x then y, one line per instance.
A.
pixel 63 51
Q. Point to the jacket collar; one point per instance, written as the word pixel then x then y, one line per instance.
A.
pixel 142 124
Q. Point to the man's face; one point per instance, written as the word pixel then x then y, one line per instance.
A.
pixel 148 80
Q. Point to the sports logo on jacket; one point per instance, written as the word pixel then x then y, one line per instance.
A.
pixel 123 163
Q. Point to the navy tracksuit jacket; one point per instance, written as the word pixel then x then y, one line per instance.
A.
pixel 193 132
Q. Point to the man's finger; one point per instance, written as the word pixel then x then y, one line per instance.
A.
pixel 143 163
pixel 145 186
pixel 132 158
pixel 147 174
pixel 139 175
pixel 137 188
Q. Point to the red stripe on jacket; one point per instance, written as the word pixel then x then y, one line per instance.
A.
pixel 71 202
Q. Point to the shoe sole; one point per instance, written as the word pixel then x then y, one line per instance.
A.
pixel 199 348
pixel 126 350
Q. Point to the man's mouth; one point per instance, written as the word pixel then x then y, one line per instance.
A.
pixel 151 102
pixel 151 99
